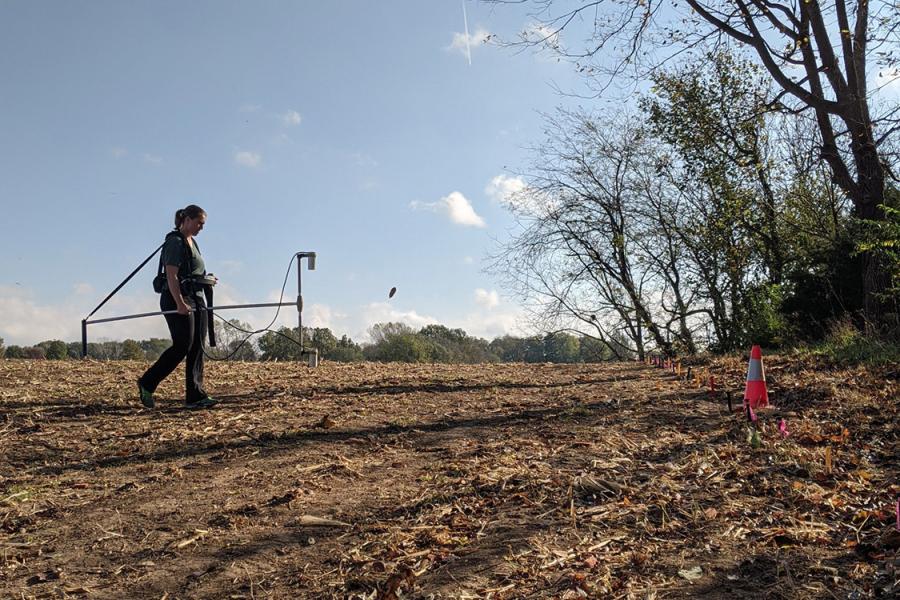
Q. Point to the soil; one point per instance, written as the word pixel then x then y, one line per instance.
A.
pixel 448 481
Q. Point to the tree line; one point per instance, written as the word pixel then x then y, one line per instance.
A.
pixel 751 197
pixel 390 342
pixel 702 219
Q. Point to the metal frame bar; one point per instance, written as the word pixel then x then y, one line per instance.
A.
pixel 172 312
pixel 311 264
pixel 86 322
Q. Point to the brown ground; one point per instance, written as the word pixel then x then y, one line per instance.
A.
pixel 488 481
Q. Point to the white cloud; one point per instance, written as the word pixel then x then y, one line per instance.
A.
pixel 487 299
pixel 291 118
pixel 355 324
pixel 468 260
pixel 461 211
pixel 119 152
pixel 152 159
pixel 464 44
pixel 250 108
pixel 83 289
pixel 540 34
pixel 455 206
pixel 384 312
pixel 491 325
pixel 27 321
pixel 514 194
pixel 247 159
pixel 227 294
pixel 320 315
pixel 504 189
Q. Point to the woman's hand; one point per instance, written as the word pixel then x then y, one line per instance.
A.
pixel 175 290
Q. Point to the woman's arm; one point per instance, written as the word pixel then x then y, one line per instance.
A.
pixel 175 289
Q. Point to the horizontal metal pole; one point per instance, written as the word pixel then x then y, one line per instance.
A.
pixel 172 312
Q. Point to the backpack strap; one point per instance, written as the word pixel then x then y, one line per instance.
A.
pixel 187 259
pixel 188 255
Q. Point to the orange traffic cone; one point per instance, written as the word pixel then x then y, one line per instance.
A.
pixel 755 392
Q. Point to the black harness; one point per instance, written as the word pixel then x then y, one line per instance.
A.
pixel 190 284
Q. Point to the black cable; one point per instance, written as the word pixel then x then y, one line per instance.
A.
pixel 246 339
pixel 258 331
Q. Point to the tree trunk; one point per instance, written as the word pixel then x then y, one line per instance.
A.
pixel 867 201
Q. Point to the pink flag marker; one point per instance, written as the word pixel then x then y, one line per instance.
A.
pixel 782 427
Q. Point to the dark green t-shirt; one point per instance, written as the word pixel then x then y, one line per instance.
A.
pixel 173 254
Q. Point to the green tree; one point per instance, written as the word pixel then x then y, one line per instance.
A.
pixel 381 331
pixel 283 345
pixel 882 239
pixel 534 350
pixel 455 345
pixel 403 347
pixel 54 349
pixel 561 348
pixel 711 115
pixel 508 348
pixel 131 350
pixel 15 351
pixel 397 342
pixel 323 340
pixel 100 350
pixel 592 350
pixel 154 347
pixel 347 351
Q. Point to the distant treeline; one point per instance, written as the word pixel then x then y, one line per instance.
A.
pixel 391 342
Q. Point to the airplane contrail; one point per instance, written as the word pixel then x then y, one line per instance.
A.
pixel 466 22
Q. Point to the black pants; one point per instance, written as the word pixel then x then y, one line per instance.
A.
pixel 188 332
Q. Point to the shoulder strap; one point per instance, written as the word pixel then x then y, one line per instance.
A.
pixel 189 255
pixel 161 270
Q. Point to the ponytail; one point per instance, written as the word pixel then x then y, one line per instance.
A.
pixel 192 210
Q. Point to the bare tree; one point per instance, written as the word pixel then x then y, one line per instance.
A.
pixel 576 256
pixel 818 53
pixel 659 237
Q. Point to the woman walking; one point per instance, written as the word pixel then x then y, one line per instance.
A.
pixel 181 264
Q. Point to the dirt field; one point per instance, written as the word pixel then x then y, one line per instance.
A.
pixel 490 481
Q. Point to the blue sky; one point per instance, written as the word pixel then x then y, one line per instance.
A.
pixel 355 129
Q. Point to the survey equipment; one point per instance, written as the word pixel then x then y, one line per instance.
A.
pixel 310 355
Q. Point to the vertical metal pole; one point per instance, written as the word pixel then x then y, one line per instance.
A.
pixel 84 338
pixel 300 303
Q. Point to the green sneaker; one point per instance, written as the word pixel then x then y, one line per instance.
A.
pixel 145 396
pixel 201 403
